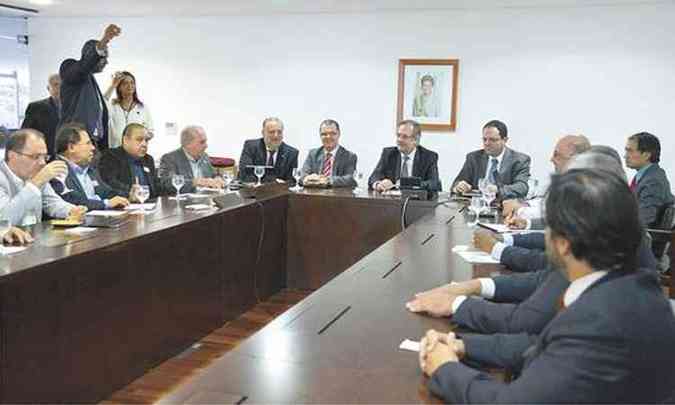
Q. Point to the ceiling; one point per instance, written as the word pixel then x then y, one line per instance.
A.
pixel 141 8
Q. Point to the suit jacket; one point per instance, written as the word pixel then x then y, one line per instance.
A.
pixel 78 196
pixel 81 98
pixel 533 300
pixel 177 163
pixel 115 171
pixel 425 166
pixel 18 200
pixel 255 153
pixel 603 348
pixel 526 254
pixel 513 172
pixel 653 194
pixel 344 166
pixel 43 115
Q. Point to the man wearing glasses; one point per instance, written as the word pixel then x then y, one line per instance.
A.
pixel 407 159
pixel 24 181
pixel 507 169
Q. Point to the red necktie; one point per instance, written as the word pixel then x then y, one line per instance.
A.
pixel 633 184
pixel 327 165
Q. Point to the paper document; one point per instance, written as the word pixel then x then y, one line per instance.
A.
pixel 474 256
pixel 410 345
pixel 146 206
pixel 499 228
pixel 80 230
pixel 198 207
pixel 8 250
pixel 101 213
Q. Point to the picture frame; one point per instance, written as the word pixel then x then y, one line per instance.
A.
pixel 427 92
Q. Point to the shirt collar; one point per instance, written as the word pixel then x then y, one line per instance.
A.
pixel 190 158
pixel 578 286
pixel 499 157
pixel 411 155
pixel 333 152
pixel 16 178
pixel 641 171
pixel 79 170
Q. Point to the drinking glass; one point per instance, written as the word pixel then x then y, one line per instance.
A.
pixel 178 181
pixel 259 171
pixel 489 194
pixel 143 194
pixel 482 183
pixel 532 186
pixel 358 176
pixel 227 179
pixel 297 173
pixel 476 207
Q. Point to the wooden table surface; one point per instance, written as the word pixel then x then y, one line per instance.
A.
pixel 83 315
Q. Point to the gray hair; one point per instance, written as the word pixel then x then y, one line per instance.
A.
pixel 593 160
pixel 53 76
pixel 188 134
pixel 607 151
pixel 580 144
pixel 268 119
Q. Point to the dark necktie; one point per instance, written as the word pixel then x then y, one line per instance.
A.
pixel 492 171
pixel 270 159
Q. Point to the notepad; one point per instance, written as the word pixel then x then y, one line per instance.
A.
pixel 146 206
pixel 80 230
pixel 410 345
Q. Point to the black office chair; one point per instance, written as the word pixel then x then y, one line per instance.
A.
pixel 661 237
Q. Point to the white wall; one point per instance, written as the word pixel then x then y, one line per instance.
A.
pixel 605 71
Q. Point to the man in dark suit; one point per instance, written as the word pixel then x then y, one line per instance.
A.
pixel 507 169
pixel 515 303
pixel 81 98
pixel 270 150
pixel 587 353
pixel 331 164
pixel 650 184
pixel 82 184
pixel 407 159
pixel 43 115
pixel 125 168
pixel 190 161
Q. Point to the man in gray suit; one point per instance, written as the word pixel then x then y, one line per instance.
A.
pixel 507 169
pixel 331 164
pixel 24 181
pixel 650 183
pixel 191 161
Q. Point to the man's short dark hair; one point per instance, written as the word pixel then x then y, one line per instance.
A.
pixel 17 140
pixel 129 128
pixel 647 142
pixel 330 123
pixel 499 126
pixel 68 134
pixel 598 214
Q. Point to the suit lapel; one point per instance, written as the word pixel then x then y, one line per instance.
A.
pixel 339 162
pixel 505 166
pixel 397 165
pixel 482 167
pixel 74 181
pixel 184 163
pixel 417 165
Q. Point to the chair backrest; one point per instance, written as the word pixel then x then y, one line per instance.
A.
pixel 667 219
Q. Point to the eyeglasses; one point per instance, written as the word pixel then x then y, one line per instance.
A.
pixel 45 157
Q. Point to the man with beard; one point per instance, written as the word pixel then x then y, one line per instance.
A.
pixel 600 347
pixel 271 151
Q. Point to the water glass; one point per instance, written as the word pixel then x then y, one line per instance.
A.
pixel 178 181
pixel 143 194
pixel 259 171
pixel 297 173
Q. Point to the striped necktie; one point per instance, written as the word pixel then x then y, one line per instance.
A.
pixel 327 165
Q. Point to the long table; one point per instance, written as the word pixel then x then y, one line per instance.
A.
pixel 83 315
pixel 340 344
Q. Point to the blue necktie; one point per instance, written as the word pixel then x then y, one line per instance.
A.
pixel 492 171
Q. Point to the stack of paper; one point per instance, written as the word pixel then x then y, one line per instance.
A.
pixel 474 256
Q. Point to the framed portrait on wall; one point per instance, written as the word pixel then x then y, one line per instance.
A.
pixel 427 92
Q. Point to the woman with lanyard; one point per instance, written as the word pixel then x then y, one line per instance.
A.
pixel 127 108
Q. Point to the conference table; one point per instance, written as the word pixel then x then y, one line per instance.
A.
pixel 83 314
